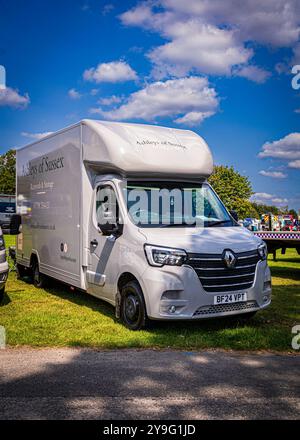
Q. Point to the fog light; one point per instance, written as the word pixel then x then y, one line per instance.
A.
pixel 172 309
pixel 265 298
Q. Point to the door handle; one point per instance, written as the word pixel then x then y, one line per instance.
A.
pixel 94 243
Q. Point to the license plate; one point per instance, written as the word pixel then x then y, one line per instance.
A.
pixel 230 298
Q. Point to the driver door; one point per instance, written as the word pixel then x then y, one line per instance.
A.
pixel 102 247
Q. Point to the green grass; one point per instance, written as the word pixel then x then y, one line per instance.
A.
pixel 58 317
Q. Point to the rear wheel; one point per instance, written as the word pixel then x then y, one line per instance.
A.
pixel 39 280
pixel 2 294
pixel 21 271
pixel 133 309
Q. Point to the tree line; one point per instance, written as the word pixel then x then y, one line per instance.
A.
pixel 233 188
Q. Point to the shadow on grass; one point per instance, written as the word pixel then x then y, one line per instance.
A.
pixel 286 272
pixel 281 309
pixel 155 326
pixel 6 300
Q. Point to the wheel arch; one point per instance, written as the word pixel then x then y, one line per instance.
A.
pixel 34 257
pixel 124 278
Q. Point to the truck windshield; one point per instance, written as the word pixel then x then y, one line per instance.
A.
pixel 175 204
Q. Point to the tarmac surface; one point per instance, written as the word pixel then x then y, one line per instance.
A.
pixel 73 383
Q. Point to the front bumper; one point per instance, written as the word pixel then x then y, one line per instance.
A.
pixel 176 293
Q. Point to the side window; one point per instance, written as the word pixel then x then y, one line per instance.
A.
pixel 107 210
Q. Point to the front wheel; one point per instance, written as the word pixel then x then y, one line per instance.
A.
pixel 2 294
pixel 133 309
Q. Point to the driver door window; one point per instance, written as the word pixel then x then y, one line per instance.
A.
pixel 107 209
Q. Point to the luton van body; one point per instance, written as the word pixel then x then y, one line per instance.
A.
pixel 124 212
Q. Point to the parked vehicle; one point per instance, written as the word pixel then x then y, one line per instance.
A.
pixel 252 224
pixel 7 209
pixel 287 223
pixel 3 266
pixel 99 208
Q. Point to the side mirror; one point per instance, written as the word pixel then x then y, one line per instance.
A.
pixel 14 226
pixel 234 215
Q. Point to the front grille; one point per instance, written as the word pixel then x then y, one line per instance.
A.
pixel 225 308
pixel 216 277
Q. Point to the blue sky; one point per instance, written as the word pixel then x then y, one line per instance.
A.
pixel 211 66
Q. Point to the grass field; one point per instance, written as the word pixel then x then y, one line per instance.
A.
pixel 57 316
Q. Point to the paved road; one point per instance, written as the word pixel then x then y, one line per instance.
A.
pixel 87 384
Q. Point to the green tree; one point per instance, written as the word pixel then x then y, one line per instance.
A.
pixel 248 210
pixel 265 209
pixel 8 172
pixel 293 213
pixel 233 189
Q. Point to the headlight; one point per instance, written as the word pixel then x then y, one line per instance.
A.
pixel 160 256
pixel 263 251
pixel 2 244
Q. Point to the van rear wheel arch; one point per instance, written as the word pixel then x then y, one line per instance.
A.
pixel 39 279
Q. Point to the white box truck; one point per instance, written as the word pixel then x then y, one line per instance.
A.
pixel 101 210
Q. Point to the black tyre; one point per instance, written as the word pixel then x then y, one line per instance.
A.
pixel 2 294
pixel 39 280
pixel 21 271
pixel 133 309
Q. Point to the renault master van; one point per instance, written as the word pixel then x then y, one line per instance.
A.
pixel 124 212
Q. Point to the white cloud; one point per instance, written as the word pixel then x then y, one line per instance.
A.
pixel 94 92
pixel 254 73
pixel 269 199
pixel 265 196
pixel 294 164
pixel 285 148
pixel 110 100
pixel 96 111
pixel 273 174
pixel 282 68
pixel 189 100
pixel 141 15
pixel 212 36
pixel 11 98
pixel 115 71
pixel 279 201
pixel 107 9
pixel 193 118
pixel 73 94
pixel 199 47
pixel 274 22
pixel 36 136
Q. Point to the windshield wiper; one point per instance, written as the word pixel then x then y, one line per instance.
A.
pixel 173 225
pixel 219 222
